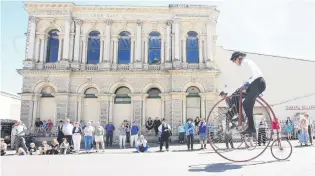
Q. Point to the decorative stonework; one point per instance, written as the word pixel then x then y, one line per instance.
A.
pixel 51 13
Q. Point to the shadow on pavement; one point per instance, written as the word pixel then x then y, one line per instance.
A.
pixel 222 167
pixel 218 167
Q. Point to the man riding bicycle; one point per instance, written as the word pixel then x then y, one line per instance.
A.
pixel 254 86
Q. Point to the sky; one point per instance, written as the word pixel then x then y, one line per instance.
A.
pixel 282 28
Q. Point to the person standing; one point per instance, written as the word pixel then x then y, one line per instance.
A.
pixel 190 130
pixel 165 131
pixel 156 125
pixel 67 131
pixel 88 133
pixel 60 133
pixel 134 133
pixel 20 131
pixel 127 125
pixel 99 136
pixel 262 132
pixel 76 135
pixel 181 132
pixel 203 134
pixel 122 135
pixel 309 128
pixel 109 133
pixel 289 128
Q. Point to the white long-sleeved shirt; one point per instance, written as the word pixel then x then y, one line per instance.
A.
pixel 67 129
pixel 255 71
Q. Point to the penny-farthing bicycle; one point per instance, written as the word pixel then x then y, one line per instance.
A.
pixel 228 120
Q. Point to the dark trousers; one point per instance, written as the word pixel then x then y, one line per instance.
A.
pixel 162 140
pixel 156 129
pixel 310 134
pixel 190 141
pixel 229 141
pixel 253 91
pixel 109 138
pixel 20 142
pixel 69 139
pixel 181 137
pixel 128 137
pixel 261 136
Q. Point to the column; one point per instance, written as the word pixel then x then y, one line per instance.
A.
pixel 31 38
pixel 111 100
pixel 27 106
pixel 162 51
pixel 138 42
pixel 132 50
pixel 43 43
pixel 168 41
pixel 35 108
pixel 84 49
pixel 104 101
pixel 144 100
pixel 115 40
pixel 37 51
pixel 60 47
pixel 184 101
pixel 62 101
pixel 163 106
pixel 78 24
pixel 66 40
pixel 200 50
pixel 184 49
pixel 107 40
pixel 202 109
pixel 101 49
pixel 209 40
pixel 177 39
pixel 146 50
pixel 80 107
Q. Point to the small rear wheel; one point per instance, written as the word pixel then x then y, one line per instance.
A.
pixel 281 149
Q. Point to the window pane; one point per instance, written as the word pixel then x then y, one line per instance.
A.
pixel 124 51
pixel 93 53
pixel 154 49
pixel 154 56
pixel 52 46
pixel 192 52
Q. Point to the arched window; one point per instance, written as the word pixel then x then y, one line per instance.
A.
pixel 122 96
pixel 192 48
pixel 90 93
pixel 94 45
pixel 52 46
pixel 47 91
pixel 155 48
pixel 154 93
pixel 193 92
pixel 124 45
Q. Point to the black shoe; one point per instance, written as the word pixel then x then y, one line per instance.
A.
pixel 249 131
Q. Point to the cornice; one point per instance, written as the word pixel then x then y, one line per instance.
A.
pixel 104 73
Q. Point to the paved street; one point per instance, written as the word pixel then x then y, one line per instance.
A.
pixel 176 162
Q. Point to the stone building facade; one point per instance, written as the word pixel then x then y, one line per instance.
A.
pixel 174 88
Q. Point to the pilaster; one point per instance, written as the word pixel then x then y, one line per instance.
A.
pixel 27 109
pixel 104 105
pixel 62 100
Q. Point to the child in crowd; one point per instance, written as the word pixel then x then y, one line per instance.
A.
pixel 42 149
pixel 32 149
pixel 49 126
pixel 181 131
pixel 64 147
pixel 3 147
pixel 54 148
pixel 21 152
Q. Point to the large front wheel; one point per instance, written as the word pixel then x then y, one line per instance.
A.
pixel 226 139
